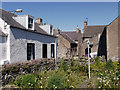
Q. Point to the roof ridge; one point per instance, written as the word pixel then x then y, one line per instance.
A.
pixel 113 20
pixel 68 31
pixel 96 25
pixel 8 12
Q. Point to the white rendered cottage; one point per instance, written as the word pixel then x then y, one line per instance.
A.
pixel 22 39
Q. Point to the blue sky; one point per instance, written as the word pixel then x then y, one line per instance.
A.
pixel 67 15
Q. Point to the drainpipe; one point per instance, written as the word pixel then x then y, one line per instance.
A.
pixel 56 51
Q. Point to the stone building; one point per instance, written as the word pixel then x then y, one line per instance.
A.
pixel 23 39
pixel 68 43
pixel 113 39
pixel 104 39
pixel 94 34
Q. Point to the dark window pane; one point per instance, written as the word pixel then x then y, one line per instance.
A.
pixel 44 51
pixel 52 51
pixel 30 51
pixel 30 22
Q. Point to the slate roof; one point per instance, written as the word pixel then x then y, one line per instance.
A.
pixel 91 31
pixel 71 36
pixel 7 17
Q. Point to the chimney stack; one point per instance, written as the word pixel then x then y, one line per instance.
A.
pixel 77 30
pixel 56 31
pixel 39 21
pixel 85 24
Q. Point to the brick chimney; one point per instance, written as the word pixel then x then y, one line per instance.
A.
pixel 39 21
pixel 85 24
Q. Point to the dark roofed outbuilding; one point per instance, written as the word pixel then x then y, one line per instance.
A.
pixel 71 36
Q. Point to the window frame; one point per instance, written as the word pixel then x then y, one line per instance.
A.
pixel 33 52
pixel 30 22
pixel 52 50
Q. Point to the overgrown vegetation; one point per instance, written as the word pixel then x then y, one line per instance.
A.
pixel 74 75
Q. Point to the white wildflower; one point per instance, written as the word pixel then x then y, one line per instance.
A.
pixel 107 82
pixel 98 78
pixel 99 87
pixel 72 86
pixel 114 78
pixel 103 80
pixel 40 81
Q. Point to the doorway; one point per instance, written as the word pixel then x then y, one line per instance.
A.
pixel 44 51
pixel 86 52
pixel 30 51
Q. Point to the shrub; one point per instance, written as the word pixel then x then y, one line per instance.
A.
pixel 109 65
pixel 63 65
pixel 97 60
pixel 72 63
pixel 56 81
pixel 26 81
pixel 118 72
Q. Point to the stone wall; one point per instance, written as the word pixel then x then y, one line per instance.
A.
pixel 63 47
pixel 119 36
pixel 99 45
pixel 80 39
pixel 10 71
pixel 102 44
pixel 84 46
pixel 112 40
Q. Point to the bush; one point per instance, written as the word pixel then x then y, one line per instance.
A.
pixel 26 81
pixel 97 61
pixel 109 65
pixel 63 65
pixel 56 81
pixel 72 63
pixel 118 72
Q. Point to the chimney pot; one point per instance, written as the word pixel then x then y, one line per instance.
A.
pixel 39 21
pixel 56 31
pixel 78 30
pixel 85 24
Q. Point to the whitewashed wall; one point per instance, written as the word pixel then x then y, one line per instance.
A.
pixel 18 44
pixel 23 20
pixel 5 42
pixel 46 28
pixel 3 49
